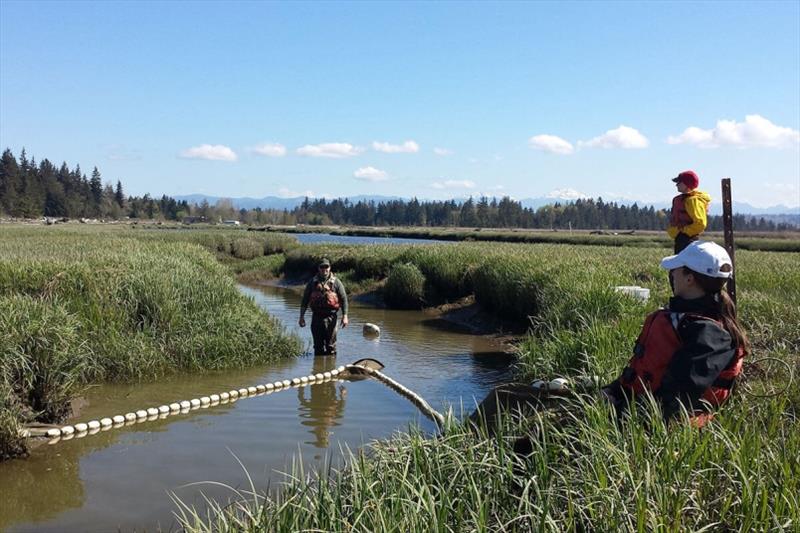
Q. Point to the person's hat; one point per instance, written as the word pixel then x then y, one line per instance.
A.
pixel 703 257
pixel 688 178
pixel 325 262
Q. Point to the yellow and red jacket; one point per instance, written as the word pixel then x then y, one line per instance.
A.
pixel 689 214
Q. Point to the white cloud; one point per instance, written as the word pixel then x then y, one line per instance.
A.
pixel 454 184
pixel 408 147
pixel 330 150
pixel 211 152
pixel 565 194
pixel 270 150
pixel 551 144
pixel 623 137
pixel 755 131
pixel 370 174
pixel 442 151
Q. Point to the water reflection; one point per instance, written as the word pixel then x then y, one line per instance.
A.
pixel 321 405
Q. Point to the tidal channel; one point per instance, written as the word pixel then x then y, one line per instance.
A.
pixel 123 479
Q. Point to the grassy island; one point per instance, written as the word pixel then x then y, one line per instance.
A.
pixel 83 305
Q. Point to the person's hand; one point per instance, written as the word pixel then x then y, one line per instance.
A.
pixel 345 321
pixel 302 322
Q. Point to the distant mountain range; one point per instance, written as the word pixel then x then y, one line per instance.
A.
pixel 274 202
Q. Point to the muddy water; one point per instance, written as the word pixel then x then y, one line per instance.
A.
pixel 122 479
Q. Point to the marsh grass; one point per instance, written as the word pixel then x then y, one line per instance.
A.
pixel 82 307
pixel 405 287
pixel 586 472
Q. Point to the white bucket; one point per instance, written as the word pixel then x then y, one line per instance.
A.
pixel 640 293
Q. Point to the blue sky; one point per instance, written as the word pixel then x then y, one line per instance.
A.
pixel 435 100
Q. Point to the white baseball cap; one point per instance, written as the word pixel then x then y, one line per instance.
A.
pixel 703 257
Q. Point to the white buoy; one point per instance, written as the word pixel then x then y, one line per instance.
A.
pixel 141 413
pixel 269 386
pixel 286 383
pixel 234 394
pixel 296 381
pixel 175 407
pixel 278 384
pixel 118 419
pixel 371 330
pixel 335 372
pixel 80 427
pixel 129 417
pixel 252 390
pixel 53 433
pixel 93 424
pixel 163 409
pixel 261 389
pixel 341 369
pixel 195 403
pixel 224 396
pixel 185 404
pixel 205 400
pixel 152 411
pixel 558 384
pixel 319 376
pixel 67 430
pixel 214 397
pixel 327 375
pixel 304 380
pixel 106 422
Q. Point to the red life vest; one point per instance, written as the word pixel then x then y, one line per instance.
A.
pixel 655 347
pixel 323 299
pixel 679 217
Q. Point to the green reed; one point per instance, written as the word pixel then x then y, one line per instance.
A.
pixel 84 306
pixel 586 472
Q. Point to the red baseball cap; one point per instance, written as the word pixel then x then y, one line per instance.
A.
pixel 688 178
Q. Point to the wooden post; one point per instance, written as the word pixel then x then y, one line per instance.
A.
pixel 727 221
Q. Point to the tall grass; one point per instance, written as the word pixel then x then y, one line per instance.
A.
pixel 405 287
pixel 80 307
pixel 586 472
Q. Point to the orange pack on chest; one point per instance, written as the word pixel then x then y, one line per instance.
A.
pixel 323 296
pixel 654 350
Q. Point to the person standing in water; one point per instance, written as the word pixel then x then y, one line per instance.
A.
pixel 325 295
pixel 688 218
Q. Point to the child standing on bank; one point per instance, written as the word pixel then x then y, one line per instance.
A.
pixel 689 211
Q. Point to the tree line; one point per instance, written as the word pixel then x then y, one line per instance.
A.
pixel 29 190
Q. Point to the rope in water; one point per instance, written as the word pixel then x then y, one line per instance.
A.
pixel 57 434
pixel 412 396
pixel 93 427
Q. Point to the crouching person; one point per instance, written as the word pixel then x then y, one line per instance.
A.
pixel 688 354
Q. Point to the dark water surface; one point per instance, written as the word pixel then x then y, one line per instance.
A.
pixel 122 479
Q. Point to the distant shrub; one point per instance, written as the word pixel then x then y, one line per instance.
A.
pixel 405 287
pixel 247 248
